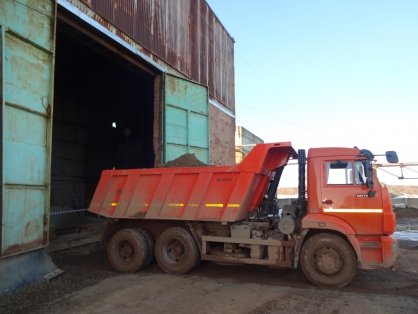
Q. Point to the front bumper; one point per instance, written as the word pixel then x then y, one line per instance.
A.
pixel 390 250
pixel 377 251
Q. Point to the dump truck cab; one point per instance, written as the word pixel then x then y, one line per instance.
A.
pixel 345 197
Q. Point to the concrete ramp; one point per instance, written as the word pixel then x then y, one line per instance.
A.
pixel 19 271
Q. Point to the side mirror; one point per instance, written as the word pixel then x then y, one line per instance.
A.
pixel 392 157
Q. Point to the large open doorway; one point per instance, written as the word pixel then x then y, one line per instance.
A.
pixel 103 117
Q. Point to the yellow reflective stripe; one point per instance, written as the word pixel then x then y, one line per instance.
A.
pixel 214 205
pixel 116 204
pixel 176 205
pixel 191 205
pixel 352 210
pixel 221 205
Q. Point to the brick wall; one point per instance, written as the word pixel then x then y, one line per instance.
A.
pixel 222 137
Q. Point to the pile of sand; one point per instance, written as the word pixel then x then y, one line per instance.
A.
pixel 186 160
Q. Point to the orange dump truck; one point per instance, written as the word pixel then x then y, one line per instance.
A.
pixel 229 214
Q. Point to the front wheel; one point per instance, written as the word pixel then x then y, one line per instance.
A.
pixel 328 260
pixel 176 251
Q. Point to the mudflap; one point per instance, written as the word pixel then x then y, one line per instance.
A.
pixel 19 271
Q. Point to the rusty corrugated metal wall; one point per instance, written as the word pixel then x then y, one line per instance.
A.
pixel 184 33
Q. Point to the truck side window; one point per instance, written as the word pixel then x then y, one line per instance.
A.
pixel 339 172
pixel 360 173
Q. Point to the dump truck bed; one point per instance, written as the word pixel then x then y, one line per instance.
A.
pixel 210 193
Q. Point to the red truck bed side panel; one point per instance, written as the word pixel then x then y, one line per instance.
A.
pixel 213 193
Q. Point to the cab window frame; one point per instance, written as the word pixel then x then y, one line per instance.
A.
pixel 345 172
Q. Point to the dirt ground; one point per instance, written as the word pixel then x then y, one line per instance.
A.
pixel 89 285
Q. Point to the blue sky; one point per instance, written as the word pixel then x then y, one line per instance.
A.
pixel 327 73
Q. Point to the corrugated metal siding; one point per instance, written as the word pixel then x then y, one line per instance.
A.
pixel 185 34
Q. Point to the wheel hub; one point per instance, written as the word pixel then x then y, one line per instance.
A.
pixel 126 250
pixel 175 250
pixel 328 261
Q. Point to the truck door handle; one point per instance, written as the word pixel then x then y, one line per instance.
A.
pixel 327 202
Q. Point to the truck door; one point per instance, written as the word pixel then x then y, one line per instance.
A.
pixel 345 195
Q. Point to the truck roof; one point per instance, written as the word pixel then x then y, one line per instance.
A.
pixel 333 151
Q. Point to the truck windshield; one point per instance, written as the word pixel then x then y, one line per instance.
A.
pixel 341 172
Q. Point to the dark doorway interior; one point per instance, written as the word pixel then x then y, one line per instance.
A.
pixel 102 117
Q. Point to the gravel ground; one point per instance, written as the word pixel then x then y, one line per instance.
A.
pixel 89 285
pixel 84 266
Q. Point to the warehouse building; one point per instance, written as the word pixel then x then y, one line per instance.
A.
pixel 88 85
pixel 244 142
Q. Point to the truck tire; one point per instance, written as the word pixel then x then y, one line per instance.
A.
pixel 128 251
pixel 176 251
pixel 328 260
pixel 150 244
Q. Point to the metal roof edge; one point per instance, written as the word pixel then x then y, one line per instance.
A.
pixel 222 108
pixel 68 6
pixel 220 22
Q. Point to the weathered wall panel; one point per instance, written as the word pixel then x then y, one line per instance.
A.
pixel 186 34
pixel 27 60
pixel 186 119
pixel 244 142
pixel 222 146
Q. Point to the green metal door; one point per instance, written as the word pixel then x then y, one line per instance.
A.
pixel 186 125
pixel 27 58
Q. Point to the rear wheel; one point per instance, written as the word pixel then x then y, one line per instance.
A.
pixel 176 251
pixel 150 244
pixel 328 260
pixel 128 250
